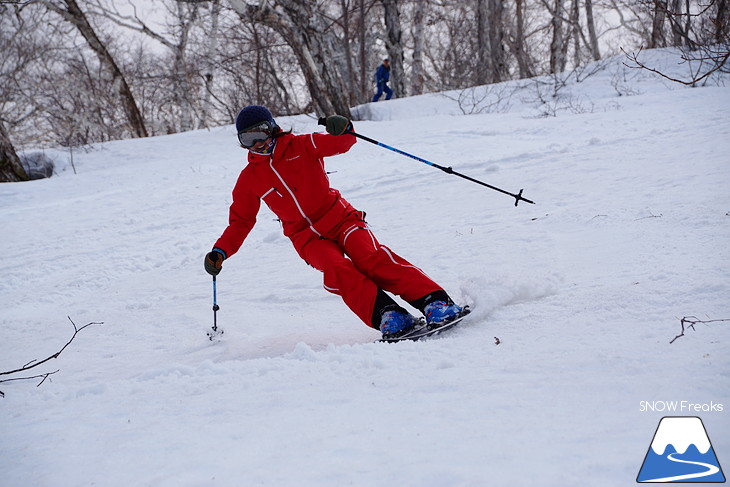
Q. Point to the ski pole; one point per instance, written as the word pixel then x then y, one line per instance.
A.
pixel 215 306
pixel 518 197
pixel 215 312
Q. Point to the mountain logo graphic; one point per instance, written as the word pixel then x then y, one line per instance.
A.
pixel 680 452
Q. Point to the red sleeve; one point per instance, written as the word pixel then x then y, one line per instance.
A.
pixel 326 145
pixel 241 218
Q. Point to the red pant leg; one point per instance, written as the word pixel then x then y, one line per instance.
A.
pixel 387 269
pixel 341 277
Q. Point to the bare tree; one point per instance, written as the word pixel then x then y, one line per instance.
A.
pixel 500 72
pixel 187 14
pixel 363 55
pixel 30 49
pixel 720 20
pixel 484 61
pixel 80 102
pixel 680 20
pixel 394 45
pixel 559 42
pixel 696 35
pixel 519 43
pixel 347 35
pixel 302 56
pixel 309 35
pixel 354 20
pixel 11 169
pixel 591 24
pixel 209 69
pixel 256 66
pixel 417 66
pixel 71 12
pixel 491 63
pixel 19 48
pixel 451 45
pixel 184 16
pixel 657 25
pixel 576 32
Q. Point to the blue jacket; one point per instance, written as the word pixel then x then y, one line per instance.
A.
pixel 382 75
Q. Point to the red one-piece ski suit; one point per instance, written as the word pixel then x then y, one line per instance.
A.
pixel 327 231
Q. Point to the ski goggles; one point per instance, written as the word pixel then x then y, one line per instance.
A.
pixel 259 132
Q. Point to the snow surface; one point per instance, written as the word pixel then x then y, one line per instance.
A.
pixel 584 290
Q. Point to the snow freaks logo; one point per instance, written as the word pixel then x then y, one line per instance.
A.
pixel 680 452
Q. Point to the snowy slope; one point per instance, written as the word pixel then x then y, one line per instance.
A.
pixel 584 291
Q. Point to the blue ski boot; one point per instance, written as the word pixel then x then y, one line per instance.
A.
pixel 439 313
pixel 395 322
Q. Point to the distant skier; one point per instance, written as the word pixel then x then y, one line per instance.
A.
pixel 286 172
pixel 382 76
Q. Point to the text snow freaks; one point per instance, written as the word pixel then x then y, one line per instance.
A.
pixel 679 407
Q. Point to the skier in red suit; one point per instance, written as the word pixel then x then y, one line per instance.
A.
pixel 287 173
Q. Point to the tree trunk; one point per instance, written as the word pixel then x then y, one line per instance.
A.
pixel 722 22
pixel 523 62
pixel 75 16
pixel 484 64
pixel 11 170
pixel 347 40
pixel 680 34
pixel 419 27
pixel 557 51
pixel 182 91
pixel 208 74
pixel 657 25
pixel 499 70
pixel 313 42
pixel 592 37
pixel 575 24
pixel 394 44
pixel 687 27
pixel 365 79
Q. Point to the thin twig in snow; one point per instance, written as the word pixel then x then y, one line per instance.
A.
pixel 35 363
pixel 691 321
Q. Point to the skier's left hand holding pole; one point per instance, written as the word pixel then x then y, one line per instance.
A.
pixel 336 124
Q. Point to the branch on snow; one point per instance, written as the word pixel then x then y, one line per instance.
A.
pixel 35 363
pixel 39 376
pixel 690 322
pixel 716 59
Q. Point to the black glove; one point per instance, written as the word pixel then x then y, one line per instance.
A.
pixel 336 124
pixel 214 262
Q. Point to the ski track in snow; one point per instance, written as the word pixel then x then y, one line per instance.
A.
pixel 584 291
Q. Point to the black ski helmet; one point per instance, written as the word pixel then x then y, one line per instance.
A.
pixel 251 115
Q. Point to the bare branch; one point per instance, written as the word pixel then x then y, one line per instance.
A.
pixel 44 376
pixel 691 321
pixel 718 61
pixel 651 215
pixel 131 22
pixel 35 363
pixel 21 3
